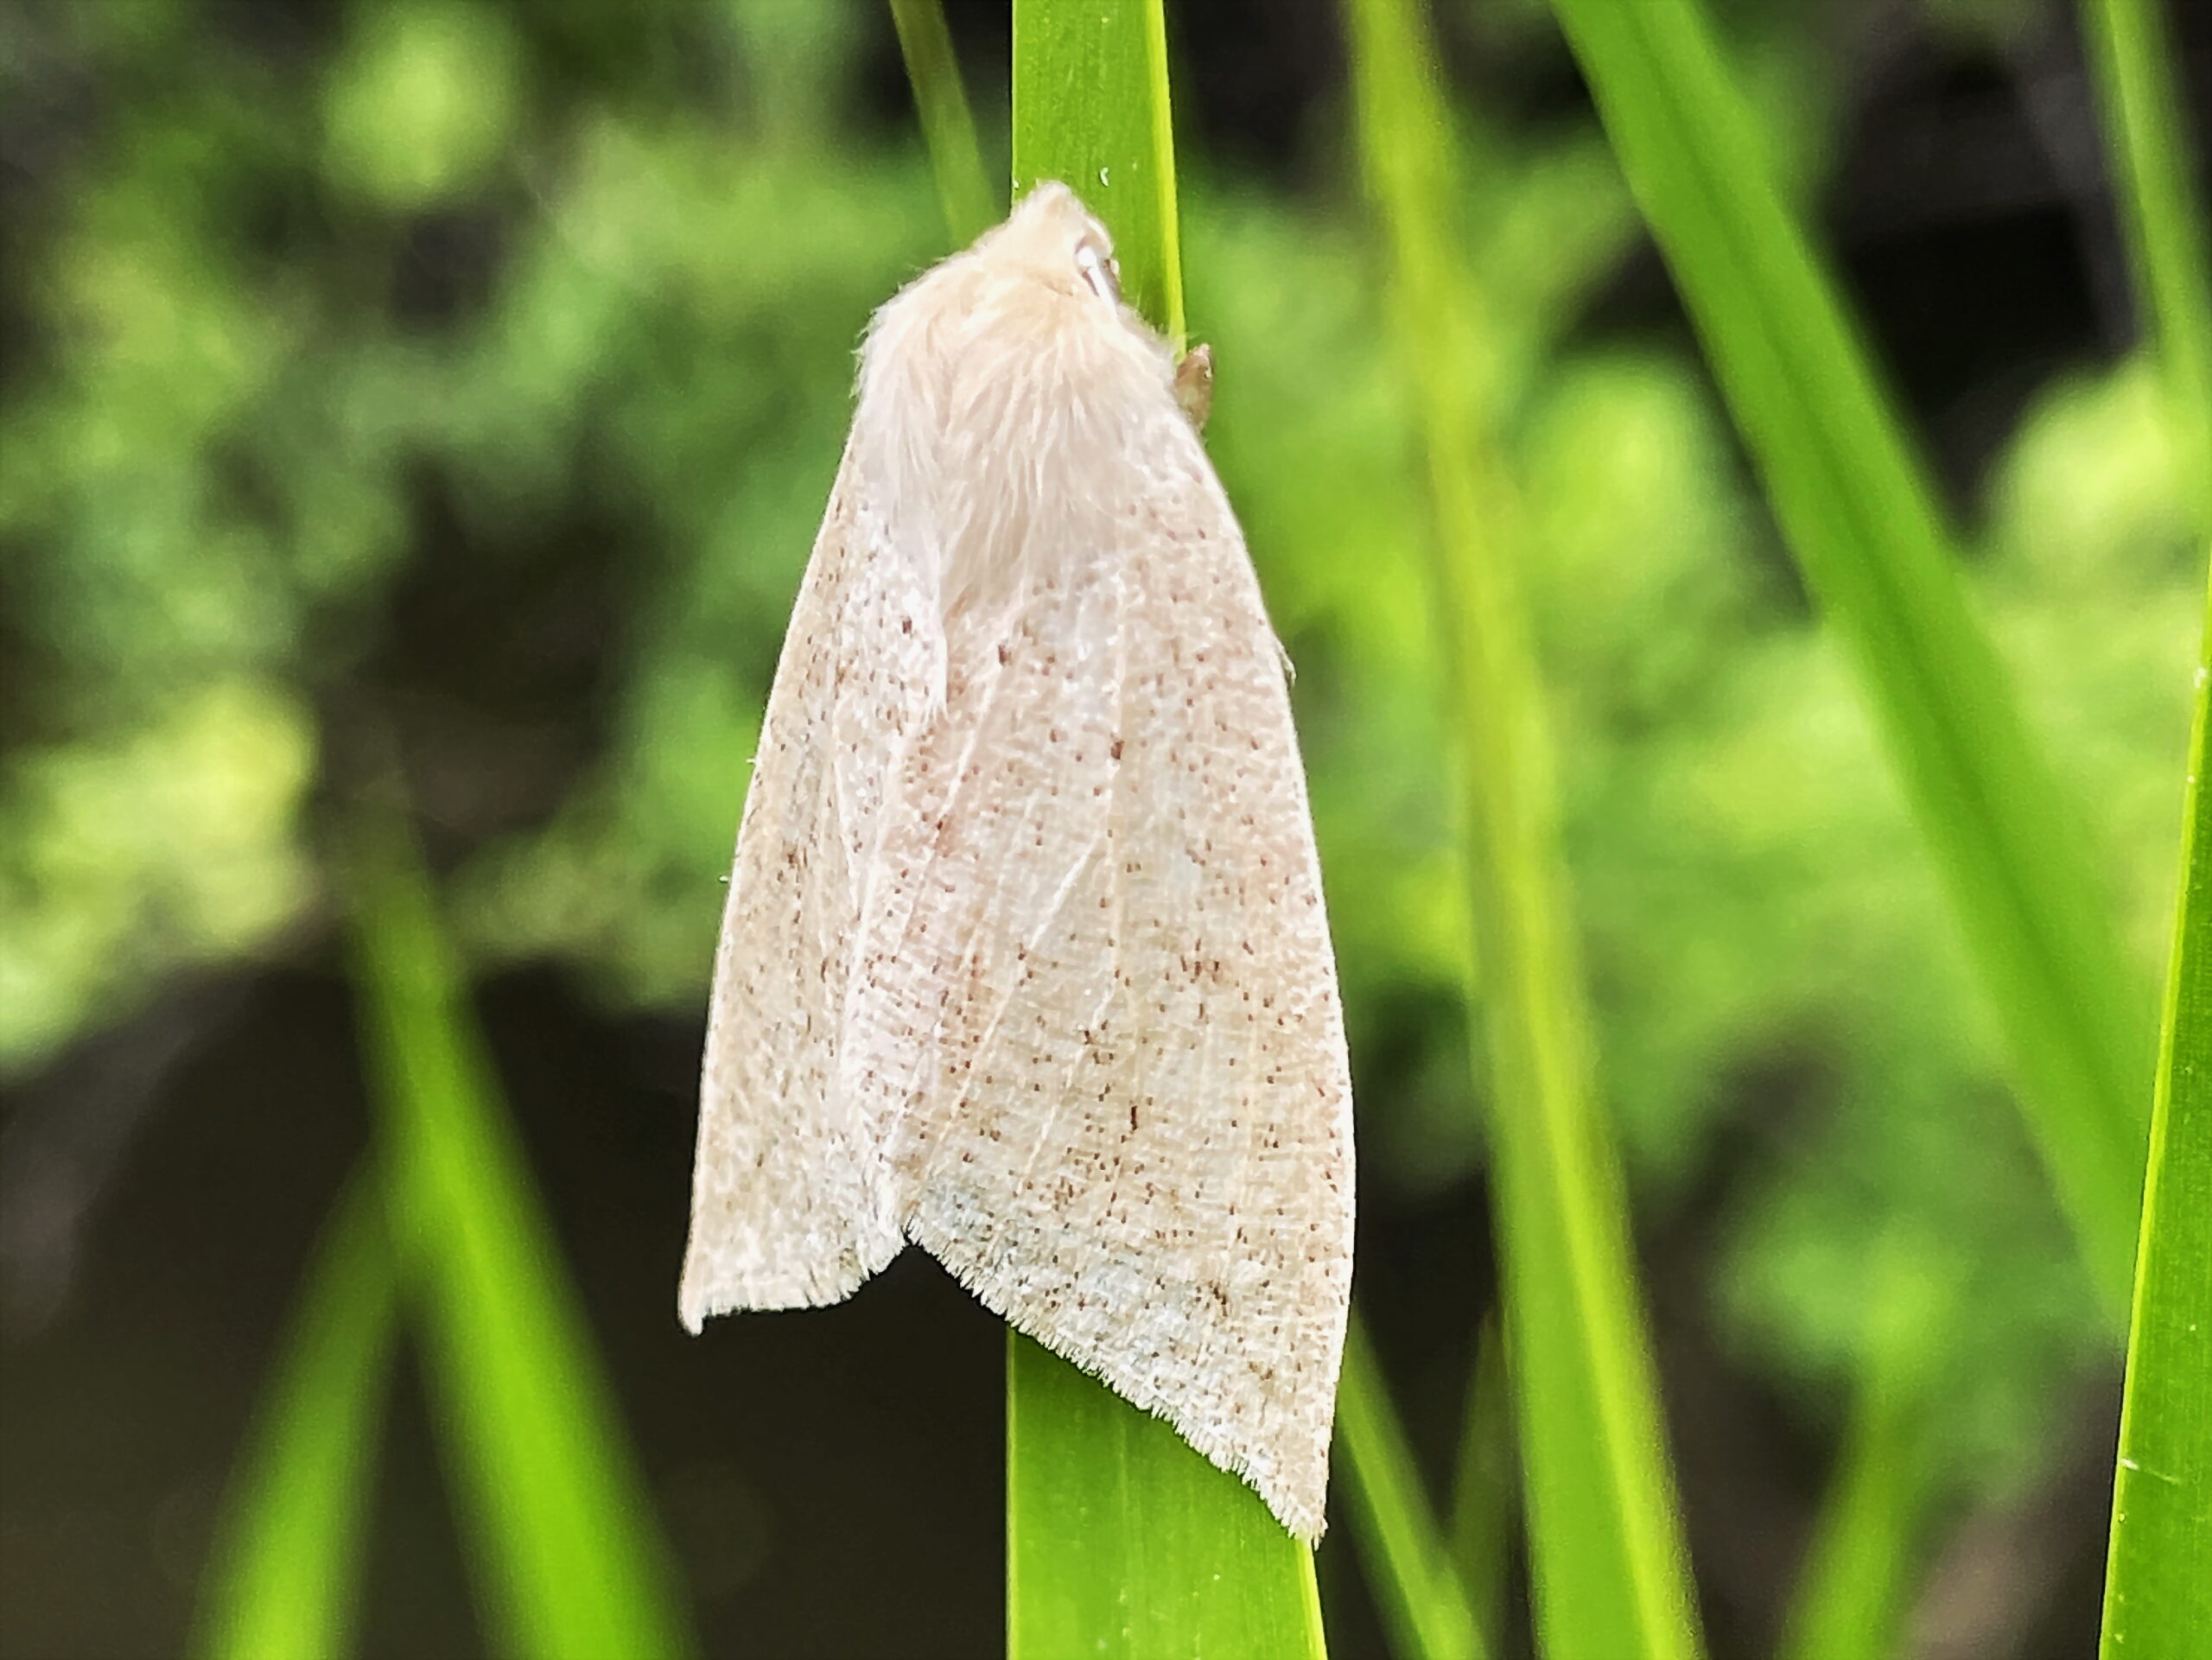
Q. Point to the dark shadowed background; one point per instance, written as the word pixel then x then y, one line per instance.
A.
pixel 472 373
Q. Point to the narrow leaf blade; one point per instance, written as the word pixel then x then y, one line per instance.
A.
pixel 1610 1566
pixel 2134 56
pixel 285 1574
pixel 1091 109
pixel 2157 1589
pixel 1482 1485
pixel 1123 1541
pixel 1861 1570
pixel 1863 525
pixel 948 129
pixel 1424 1606
pixel 556 1510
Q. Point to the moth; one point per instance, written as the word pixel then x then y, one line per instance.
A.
pixel 1024 957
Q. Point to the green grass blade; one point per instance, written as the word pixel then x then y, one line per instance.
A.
pixel 949 130
pixel 1091 109
pixel 1481 1537
pixel 1423 1603
pixel 1866 530
pixel 285 1574
pixel 1606 1550
pixel 1860 1572
pixel 568 1554
pixel 2133 54
pixel 2158 1576
pixel 1121 1541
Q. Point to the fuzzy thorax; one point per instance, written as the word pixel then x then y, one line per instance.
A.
pixel 1001 394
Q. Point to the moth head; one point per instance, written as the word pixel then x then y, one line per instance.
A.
pixel 1001 392
pixel 1052 237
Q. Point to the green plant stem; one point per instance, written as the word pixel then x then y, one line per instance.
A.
pixel 1863 525
pixel 1607 1557
pixel 286 1572
pixel 2158 1574
pixel 1424 1606
pixel 2133 56
pixel 948 129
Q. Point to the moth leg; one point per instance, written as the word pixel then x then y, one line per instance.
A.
pixel 1194 385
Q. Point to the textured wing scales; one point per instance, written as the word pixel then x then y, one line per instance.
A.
pixel 792 1202
pixel 1097 997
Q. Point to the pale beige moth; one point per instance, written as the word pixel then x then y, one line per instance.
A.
pixel 1024 957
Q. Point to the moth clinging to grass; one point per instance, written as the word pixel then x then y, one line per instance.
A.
pixel 1024 957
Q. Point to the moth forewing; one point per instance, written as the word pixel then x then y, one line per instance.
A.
pixel 791 1201
pixel 1034 966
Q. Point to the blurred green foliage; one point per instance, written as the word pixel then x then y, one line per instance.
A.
pixel 216 456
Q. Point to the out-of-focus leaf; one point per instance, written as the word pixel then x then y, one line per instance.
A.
pixel 1862 1568
pixel 2133 53
pixel 1865 529
pixel 156 848
pixel 1481 1534
pixel 422 100
pixel 570 1559
pixel 1424 1606
pixel 934 74
pixel 1610 1569
pixel 285 1576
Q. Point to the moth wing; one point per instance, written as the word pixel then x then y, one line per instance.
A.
pixel 793 1201
pixel 1100 977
